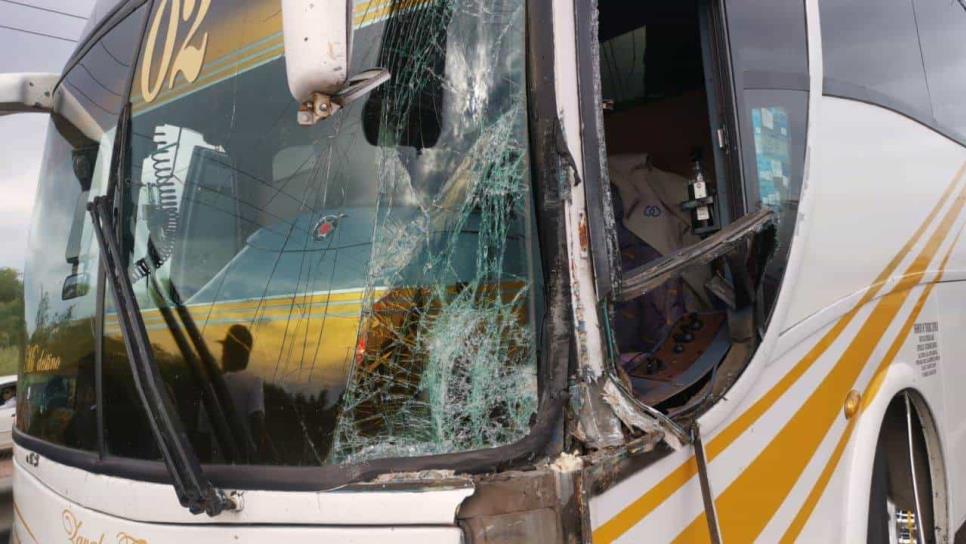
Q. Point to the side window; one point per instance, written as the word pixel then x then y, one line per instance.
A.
pixel 768 43
pixel 57 401
pixel 942 33
pixel 672 334
pixel 770 60
pixel 871 50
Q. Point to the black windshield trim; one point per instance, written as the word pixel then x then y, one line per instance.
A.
pixel 553 356
pixel 118 14
pixel 240 477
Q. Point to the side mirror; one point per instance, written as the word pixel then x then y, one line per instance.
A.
pixel 318 40
pixel 75 286
pixel 318 50
pixel 20 93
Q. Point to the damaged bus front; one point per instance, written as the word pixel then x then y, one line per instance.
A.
pixel 352 269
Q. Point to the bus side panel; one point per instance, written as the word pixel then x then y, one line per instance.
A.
pixel 952 304
pixel 875 177
pixel 783 462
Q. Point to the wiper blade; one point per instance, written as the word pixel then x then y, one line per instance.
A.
pixel 194 491
pixel 214 393
pixel 246 450
pixel 645 278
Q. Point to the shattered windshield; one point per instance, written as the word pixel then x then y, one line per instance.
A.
pixel 365 288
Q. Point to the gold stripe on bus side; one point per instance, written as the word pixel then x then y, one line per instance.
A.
pixel 805 512
pixel 379 11
pixel 640 508
pixel 745 507
pixel 271 51
pixel 23 522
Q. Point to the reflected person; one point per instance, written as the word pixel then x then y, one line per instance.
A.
pixel 9 397
pixel 246 389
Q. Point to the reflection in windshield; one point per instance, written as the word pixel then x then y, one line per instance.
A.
pixel 57 401
pixel 368 286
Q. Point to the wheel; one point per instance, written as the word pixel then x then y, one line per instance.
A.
pixel 900 497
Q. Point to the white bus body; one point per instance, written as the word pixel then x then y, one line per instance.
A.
pixel 833 412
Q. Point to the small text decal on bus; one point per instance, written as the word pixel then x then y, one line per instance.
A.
pixel 927 348
pixel 190 55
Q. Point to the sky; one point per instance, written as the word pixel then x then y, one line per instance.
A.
pixel 22 136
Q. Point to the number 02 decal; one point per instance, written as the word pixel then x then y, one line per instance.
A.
pixel 185 59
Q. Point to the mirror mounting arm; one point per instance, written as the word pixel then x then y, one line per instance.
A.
pixel 318 51
pixel 322 106
pixel 27 92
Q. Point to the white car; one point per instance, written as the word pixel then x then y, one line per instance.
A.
pixel 8 411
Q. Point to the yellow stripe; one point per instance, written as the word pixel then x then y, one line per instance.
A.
pixel 795 529
pixel 23 522
pixel 745 507
pixel 639 509
pixel 378 11
pixel 317 299
pixel 270 51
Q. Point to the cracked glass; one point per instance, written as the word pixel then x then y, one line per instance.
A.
pixel 364 288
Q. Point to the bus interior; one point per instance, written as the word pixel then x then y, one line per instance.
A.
pixel 681 343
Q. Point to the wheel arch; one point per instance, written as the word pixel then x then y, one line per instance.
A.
pixel 898 381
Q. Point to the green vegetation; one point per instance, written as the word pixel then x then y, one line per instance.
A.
pixel 11 320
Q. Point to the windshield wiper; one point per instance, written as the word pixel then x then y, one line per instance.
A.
pixel 194 491
pixel 219 403
pixel 229 431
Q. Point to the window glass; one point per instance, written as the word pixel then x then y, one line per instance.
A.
pixel 770 57
pixel 100 11
pixel 775 129
pixel 768 43
pixel 365 287
pixel 57 401
pixel 872 45
pixel 942 32
pixel 622 66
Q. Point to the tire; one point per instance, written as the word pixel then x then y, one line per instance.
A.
pixel 900 508
pixel 879 516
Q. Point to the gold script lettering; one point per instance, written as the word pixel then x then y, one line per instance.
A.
pixel 124 538
pixel 72 526
pixel 190 56
pixel 38 360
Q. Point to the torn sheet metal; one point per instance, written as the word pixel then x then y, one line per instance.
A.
pixel 643 279
pixel 644 418
pixel 537 506
pixel 597 425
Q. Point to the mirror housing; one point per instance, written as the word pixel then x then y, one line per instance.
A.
pixel 318 41
pixel 318 51
pixel 27 92
pixel 75 286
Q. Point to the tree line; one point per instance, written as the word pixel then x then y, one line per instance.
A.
pixel 11 308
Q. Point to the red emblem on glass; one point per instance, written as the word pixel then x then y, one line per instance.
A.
pixel 326 226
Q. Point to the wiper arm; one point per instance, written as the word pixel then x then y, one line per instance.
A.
pixel 228 414
pixel 214 393
pixel 194 491
pixel 645 278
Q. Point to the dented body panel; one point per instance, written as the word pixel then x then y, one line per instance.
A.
pixel 446 369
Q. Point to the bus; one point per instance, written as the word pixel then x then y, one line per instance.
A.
pixel 494 271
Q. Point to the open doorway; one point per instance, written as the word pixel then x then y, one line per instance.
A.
pixel 670 196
